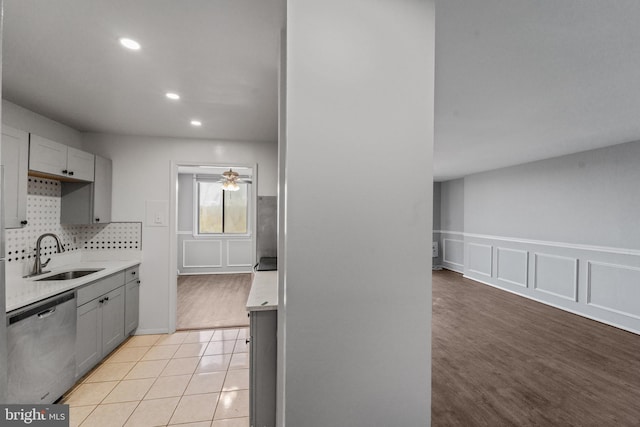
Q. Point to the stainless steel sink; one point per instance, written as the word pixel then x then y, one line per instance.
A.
pixel 72 274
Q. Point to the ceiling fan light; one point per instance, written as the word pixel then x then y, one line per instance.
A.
pixel 230 186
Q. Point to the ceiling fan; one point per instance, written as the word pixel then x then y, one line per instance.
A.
pixel 230 180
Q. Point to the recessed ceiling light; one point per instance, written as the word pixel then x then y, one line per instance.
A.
pixel 130 43
pixel 172 95
pixel 196 123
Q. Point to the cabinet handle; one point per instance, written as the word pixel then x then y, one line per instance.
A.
pixel 70 172
pixel 133 272
pixel 23 222
pixel 247 341
pixel 138 282
pixel 65 171
pixel 97 219
pixel 106 298
pixel 101 301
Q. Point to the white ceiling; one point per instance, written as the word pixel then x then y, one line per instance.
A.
pixel 523 80
pixel 516 81
pixel 62 59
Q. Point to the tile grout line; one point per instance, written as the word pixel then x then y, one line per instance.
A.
pixel 159 375
pixel 89 375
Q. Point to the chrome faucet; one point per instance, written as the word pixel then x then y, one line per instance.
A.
pixel 39 265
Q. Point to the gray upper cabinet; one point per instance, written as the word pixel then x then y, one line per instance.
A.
pixel 51 159
pixel 102 190
pixel 15 157
pixel 88 203
pixel 80 164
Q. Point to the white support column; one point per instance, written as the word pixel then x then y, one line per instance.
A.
pixel 356 202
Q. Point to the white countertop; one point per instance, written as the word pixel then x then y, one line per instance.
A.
pixel 264 291
pixel 21 292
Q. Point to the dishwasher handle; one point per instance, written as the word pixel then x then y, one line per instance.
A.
pixel 46 313
pixel 41 309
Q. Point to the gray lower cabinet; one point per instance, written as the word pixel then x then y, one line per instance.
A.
pixel 101 320
pixel 100 329
pixel 262 368
pixel 88 336
pixel 112 320
pixel 132 300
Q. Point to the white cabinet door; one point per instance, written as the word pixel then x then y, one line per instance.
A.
pixel 47 156
pixel 52 158
pixel 15 159
pixel 80 164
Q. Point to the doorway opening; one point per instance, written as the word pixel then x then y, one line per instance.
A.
pixel 214 245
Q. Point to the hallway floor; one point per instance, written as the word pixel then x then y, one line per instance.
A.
pixel 189 378
pixel 213 301
pixel 499 359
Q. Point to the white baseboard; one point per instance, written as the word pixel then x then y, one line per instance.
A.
pixel 151 331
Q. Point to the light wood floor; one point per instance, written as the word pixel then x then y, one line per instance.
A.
pixel 213 301
pixel 503 360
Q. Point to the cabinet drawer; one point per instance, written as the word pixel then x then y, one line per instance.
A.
pixel 132 273
pixel 99 287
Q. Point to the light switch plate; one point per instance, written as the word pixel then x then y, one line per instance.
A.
pixel 157 213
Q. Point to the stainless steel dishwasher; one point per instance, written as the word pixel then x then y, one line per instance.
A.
pixel 41 341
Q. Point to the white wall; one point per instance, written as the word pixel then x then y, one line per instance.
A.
pixel 142 172
pixel 585 198
pixel 3 331
pixel 563 231
pixel 185 202
pixel 436 205
pixel 452 205
pixel 357 260
pixel 21 118
pixel 451 236
pixel 437 261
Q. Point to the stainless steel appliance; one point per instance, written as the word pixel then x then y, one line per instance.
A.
pixel 41 340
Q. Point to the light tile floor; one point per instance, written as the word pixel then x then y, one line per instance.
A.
pixel 191 378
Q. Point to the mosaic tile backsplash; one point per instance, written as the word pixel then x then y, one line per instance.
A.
pixel 43 216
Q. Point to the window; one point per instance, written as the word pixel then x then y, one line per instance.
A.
pixel 219 211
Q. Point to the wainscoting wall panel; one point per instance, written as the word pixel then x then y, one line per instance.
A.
pixel 512 266
pixel 601 283
pixel 480 259
pixel 214 254
pixel 202 253
pixel 614 288
pixel 452 252
pixel 239 253
pixel 556 275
